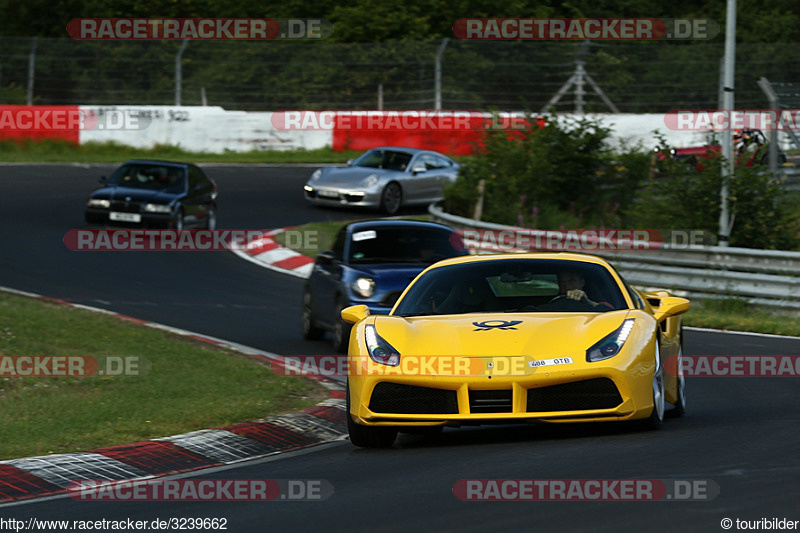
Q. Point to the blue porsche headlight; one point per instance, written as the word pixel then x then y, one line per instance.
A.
pixel 363 286
pixel 380 351
pixel 610 345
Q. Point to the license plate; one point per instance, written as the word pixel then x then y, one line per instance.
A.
pixel 550 362
pixel 328 194
pixel 125 217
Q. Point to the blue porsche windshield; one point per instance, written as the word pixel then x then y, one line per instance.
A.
pixel 385 159
pixel 402 244
pixel 514 285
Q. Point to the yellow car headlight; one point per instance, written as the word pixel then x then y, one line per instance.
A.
pixel 610 345
pixel 379 350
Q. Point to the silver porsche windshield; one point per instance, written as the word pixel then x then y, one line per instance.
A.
pixel 514 285
pixel 385 159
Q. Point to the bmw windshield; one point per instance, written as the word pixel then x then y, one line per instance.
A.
pixel 151 177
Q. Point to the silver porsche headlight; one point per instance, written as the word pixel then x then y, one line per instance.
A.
pixel 379 350
pixel 610 345
pixel 369 181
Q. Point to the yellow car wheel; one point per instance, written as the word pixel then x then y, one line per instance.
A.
pixel 366 436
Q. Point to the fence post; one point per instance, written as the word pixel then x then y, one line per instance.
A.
pixel 437 97
pixel 178 72
pixel 31 71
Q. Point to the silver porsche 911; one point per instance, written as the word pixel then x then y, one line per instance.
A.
pixel 386 178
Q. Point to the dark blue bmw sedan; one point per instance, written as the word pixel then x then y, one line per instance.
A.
pixel 371 263
pixel 148 193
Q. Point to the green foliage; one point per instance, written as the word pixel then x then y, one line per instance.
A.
pixel 565 176
pixel 562 174
pixel 687 196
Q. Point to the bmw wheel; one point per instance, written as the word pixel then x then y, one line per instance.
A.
pixel 391 198
pixel 177 220
pixel 211 218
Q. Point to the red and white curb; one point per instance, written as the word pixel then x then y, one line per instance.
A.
pixel 34 477
pixel 265 252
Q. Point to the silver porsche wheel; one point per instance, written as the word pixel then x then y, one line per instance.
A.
pixel 391 198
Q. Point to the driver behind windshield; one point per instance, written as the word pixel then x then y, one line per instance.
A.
pixel 571 284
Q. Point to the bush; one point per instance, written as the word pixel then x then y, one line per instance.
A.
pixel 686 196
pixel 563 174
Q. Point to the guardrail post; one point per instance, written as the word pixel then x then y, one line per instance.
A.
pixel 31 71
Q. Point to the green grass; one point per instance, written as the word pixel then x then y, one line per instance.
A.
pixel 737 315
pixel 190 385
pixel 54 151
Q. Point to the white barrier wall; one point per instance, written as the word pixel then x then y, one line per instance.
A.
pixel 216 130
pixel 197 129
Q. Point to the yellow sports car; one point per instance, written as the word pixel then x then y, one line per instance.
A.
pixel 553 337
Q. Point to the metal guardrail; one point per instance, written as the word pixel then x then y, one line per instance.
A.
pixel 763 277
pixel 792 182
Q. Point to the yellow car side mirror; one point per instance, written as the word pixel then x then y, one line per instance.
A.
pixel 355 313
pixel 671 306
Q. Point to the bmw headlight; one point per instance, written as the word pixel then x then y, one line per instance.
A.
pixel 611 344
pixel 379 350
pixel 315 176
pixel 97 202
pixel 364 287
pixel 370 180
pixel 157 208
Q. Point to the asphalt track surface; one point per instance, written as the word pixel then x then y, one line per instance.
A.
pixel 741 434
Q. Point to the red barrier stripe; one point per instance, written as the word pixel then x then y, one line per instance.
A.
pixel 331 414
pixel 290 263
pixel 17 484
pixel 157 457
pixel 272 435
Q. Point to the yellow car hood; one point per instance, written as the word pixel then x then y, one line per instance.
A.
pixel 498 334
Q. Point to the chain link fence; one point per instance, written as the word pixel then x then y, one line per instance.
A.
pixel 646 77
